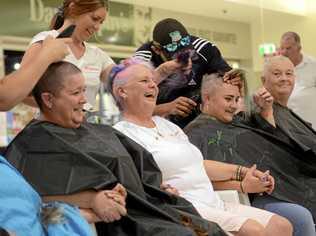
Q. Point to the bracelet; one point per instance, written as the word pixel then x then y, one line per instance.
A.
pixel 234 176
pixel 238 173
pixel 241 187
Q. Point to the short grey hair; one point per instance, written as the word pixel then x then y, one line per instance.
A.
pixel 293 35
pixel 210 83
pixel 269 61
pixel 118 77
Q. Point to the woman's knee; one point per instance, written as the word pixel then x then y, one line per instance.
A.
pixel 251 227
pixel 303 222
pixel 303 214
pixel 279 225
pixel 300 217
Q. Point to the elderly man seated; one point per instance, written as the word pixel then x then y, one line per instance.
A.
pixel 221 138
pixel 279 79
pixel 70 161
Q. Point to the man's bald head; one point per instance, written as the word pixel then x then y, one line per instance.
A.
pixel 290 35
pixel 290 46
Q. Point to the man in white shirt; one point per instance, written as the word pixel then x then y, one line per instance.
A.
pixel 304 92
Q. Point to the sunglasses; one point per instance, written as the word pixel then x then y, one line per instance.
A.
pixel 174 46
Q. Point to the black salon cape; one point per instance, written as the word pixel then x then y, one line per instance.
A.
pixel 242 144
pixel 57 160
pixel 299 134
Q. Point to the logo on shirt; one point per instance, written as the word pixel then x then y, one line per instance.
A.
pixel 192 82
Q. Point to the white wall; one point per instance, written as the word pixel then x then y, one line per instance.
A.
pixel 275 24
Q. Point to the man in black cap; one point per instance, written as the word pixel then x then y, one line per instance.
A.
pixel 188 58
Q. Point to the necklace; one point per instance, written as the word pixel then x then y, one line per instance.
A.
pixel 158 133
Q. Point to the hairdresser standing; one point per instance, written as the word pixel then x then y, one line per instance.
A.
pixel 88 16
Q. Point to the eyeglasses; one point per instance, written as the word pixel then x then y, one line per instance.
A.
pixel 174 46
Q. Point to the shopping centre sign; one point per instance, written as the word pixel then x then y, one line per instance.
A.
pixel 125 25
pixel 26 18
pixel 41 13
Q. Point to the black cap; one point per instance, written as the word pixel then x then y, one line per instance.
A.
pixel 162 30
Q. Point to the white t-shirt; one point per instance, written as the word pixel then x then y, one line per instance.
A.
pixel 92 63
pixel 180 162
pixel 304 93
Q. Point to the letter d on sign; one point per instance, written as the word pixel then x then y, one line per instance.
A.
pixel 36 10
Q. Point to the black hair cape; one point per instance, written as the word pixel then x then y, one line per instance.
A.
pixel 56 160
pixel 243 144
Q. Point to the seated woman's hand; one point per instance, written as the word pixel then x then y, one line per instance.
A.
pixel 106 208
pixel 117 194
pixel 272 184
pixel 255 183
pixel 266 177
pixel 121 190
pixel 168 188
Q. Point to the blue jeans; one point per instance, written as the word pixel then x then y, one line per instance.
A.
pixel 299 216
